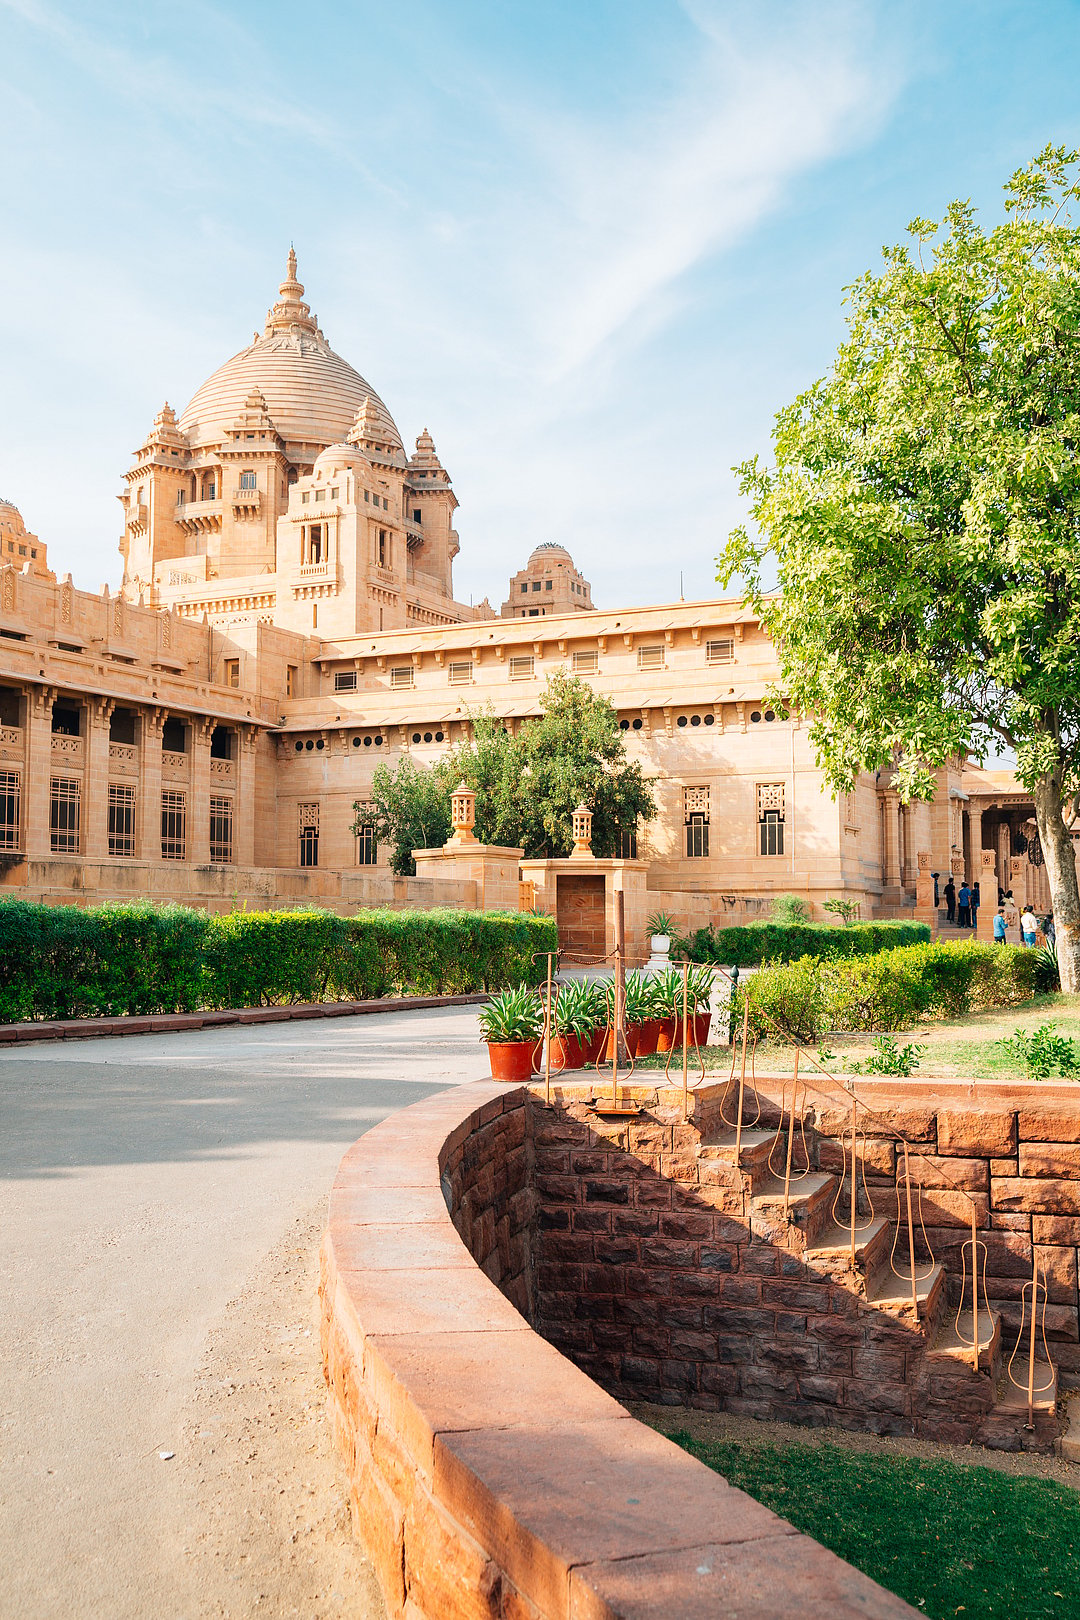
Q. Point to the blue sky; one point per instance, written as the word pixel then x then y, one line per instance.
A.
pixel 593 246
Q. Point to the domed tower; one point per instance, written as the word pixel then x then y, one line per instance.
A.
pixel 18 547
pixel 210 494
pixel 549 583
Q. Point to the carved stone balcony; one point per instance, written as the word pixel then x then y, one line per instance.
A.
pixel 246 502
pixel 223 769
pixel 200 517
pixel 71 750
pixel 11 742
pixel 124 759
pixel 138 516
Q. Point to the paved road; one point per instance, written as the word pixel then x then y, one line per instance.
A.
pixel 160 1199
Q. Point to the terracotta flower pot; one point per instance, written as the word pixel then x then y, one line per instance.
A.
pixel 592 1045
pixel 632 1033
pixel 512 1060
pixel 665 1034
pixel 648 1035
pixel 566 1053
pixel 702 1020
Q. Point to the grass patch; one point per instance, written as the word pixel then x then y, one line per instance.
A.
pixel 949 1540
pixel 967 1048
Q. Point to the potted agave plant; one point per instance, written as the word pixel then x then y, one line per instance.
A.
pixel 668 991
pixel 511 1024
pixel 575 1018
pixel 642 1026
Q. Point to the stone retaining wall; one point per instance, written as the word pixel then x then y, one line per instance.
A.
pixel 489 1476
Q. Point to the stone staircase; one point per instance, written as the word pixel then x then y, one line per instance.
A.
pixel 950 1399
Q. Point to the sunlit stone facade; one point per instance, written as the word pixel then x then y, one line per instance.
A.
pixel 286 621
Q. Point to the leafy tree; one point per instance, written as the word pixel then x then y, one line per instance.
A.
pixel 410 808
pixel 924 513
pixel 527 786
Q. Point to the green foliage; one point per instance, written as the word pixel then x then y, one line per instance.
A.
pixel 660 923
pixel 759 942
pixel 788 910
pixel 922 512
pixel 888 1058
pixel 410 809
pixel 1047 970
pixel 65 962
pixel 515 1014
pixel 639 998
pixel 578 1010
pixel 949 1539
pixel 889 991
pixel 1043 1053
pixel 527 786
pixel 846 910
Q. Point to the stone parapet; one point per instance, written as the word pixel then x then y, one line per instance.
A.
pixel 488 1475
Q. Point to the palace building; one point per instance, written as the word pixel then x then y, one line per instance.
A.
pixel 286 621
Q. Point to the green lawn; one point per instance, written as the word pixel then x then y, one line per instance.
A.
pixel 966 1048
pixel 949 1540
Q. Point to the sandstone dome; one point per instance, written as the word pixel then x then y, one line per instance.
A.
pixel 312 394
pixel 550 551
pixel 337 457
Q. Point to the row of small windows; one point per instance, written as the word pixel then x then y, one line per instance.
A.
pixel 522 667
pixel 65 820
pixel 22 549
pixel 335 492
pixel 317 744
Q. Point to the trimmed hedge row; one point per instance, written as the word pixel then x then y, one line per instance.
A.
pixel 889 991
pixel 753 943
pixel 67 962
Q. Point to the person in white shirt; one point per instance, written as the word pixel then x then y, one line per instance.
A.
pixel 1029 924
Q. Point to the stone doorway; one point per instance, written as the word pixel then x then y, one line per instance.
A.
pixel 581 913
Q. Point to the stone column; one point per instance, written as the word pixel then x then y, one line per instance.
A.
pixel 890 861
pixel 198 833
pixel 975 816
pixel 35 806
pixel 244 805
pixel 96 808
pixel 924 891
pixel 988 888
pixel 148 811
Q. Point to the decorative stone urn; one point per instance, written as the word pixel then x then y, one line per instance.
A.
pixel 660 947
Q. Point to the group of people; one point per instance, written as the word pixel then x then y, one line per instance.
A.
pixel 962 908
pixel 962 905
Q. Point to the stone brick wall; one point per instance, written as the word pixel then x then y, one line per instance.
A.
pixel 489 1478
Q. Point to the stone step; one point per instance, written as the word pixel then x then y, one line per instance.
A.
pixel 809 1201
pixel 753 1148
pixel 891 1293
pixel 832 1245
pixel 1068 1443
pixel 1010 1399
pixel 954 1345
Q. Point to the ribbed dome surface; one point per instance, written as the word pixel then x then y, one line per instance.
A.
pixel 312 394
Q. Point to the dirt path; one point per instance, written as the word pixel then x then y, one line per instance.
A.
pixel 267 1513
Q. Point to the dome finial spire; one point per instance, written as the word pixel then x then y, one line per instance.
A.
pixel 290 313
pixel 290 267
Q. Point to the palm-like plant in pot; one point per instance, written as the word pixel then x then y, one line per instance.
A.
pixel 668 991
pixel 642 1026
pixel 661 929
pixel 576 1017
pixel 512 1023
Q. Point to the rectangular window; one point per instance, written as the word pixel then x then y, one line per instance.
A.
pixel 367 848
pixel 696 822
pixel 320 494
pixel 10 809
pixel 770 804
pixel 650 658
pixel 64 803
pixel 721 651
pixel 524 588
pixel 248 481
pixel 334 493
pixel 586 663
pixel 345 680
pixel 180 497
pixel 401 675
pixel 547 584
pixel 290 680
pixel 173 825
pixel 308 829
pixel 221 830
pixel 461 674
pixel 382 548
pixel 304 497
pixel 536 584
pixel 232 672
pixel 417 515
pixel 521 668
pixel 121 819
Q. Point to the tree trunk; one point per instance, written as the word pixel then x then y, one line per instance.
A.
pixel 1059 853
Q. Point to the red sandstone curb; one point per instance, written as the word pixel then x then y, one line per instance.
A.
pixel 82 1029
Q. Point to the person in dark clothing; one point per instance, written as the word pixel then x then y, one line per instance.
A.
pixel 950 901
pixel 1050 932
pixel 976 901
pixel 963 907
pixel 937 896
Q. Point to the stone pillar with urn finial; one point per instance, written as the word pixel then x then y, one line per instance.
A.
pixel 490 871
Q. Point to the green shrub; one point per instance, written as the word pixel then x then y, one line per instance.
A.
pixel 889 991
pixel 758 942
pixel 888 1058
pixel 66 962
pixel 1043 1053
